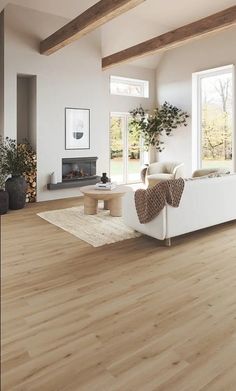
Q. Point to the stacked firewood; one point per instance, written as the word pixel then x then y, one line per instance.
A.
pixel 31 179
pixel 32 189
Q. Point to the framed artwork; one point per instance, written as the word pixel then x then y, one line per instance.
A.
pixel 77 123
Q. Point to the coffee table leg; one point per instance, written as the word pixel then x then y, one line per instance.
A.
pixel 106 205
pixel 90 206
pixel 115 206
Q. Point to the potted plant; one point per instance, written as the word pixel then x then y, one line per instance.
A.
pixel 152 125
pixel 15 163
pixel 4 197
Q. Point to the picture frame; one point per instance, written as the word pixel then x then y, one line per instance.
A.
pixel 77 128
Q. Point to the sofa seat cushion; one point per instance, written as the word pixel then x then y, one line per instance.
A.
pixel 156 178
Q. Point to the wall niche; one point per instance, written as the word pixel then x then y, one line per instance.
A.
pixel 26 126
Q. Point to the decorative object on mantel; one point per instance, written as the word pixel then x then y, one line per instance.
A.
pixel 19 161
pixel 97 230
pixel 53 178
pixel 152 125
pixel 77 130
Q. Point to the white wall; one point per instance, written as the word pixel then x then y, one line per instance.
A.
pixel 71 77
pixel 174 83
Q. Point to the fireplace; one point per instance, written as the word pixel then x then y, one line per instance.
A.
pixel 79 169
pixel 77 172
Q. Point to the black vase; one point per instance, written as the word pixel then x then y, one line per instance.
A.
pixel 104 178
pixel 4 202
pixel 16 187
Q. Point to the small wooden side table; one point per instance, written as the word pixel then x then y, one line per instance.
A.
pixel 112 199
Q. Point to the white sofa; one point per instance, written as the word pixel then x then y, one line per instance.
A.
pixel 205 202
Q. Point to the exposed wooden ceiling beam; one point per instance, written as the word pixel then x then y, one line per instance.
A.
pixel 177 37
pixel 93 17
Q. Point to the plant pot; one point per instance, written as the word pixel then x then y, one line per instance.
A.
pixel 4 201
pixel 16 187
pixel 152 154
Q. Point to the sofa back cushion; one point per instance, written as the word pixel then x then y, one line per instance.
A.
pixel 208 171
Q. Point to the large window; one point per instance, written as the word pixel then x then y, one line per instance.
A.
pixel 213 118
pixel 129 87
pixel 126 150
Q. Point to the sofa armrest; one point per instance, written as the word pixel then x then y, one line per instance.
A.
pixel 178 171
pixel 144 173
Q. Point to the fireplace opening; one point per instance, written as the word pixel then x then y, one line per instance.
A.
pixel 79 169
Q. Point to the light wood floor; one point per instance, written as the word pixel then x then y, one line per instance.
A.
pixel 131 316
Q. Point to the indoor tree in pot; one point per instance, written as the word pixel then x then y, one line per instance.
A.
pixel 15 163
pixel 152 125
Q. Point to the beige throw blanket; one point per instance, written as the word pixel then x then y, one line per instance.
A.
pixel 149 203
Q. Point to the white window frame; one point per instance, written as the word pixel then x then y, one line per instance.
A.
pixel 128 80
pixel 197 113
pixel 126 117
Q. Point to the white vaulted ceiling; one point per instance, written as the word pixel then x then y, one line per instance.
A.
pixel 149 19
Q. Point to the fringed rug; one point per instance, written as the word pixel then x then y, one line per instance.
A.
pixel 96 230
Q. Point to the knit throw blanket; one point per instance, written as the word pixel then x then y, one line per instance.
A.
pixel 149 203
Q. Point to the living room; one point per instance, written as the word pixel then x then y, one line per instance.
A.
pixel 100 291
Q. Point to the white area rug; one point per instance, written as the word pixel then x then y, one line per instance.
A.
pixel 96 230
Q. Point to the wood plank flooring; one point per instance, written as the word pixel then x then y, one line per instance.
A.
pixel 131 316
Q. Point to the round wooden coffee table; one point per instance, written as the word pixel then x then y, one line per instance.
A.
pixel 112 199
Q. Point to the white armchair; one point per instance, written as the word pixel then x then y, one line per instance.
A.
pixel 160 171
